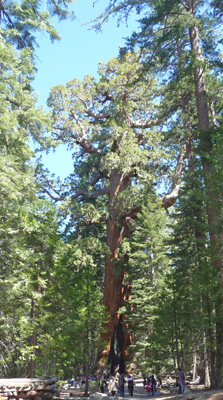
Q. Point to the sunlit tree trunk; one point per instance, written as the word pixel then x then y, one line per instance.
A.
pixel 114 288
pixel 194 366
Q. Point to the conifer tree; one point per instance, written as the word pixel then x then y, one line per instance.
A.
pixel 146 274
pixel 166 27
pixel 111 123
pixel 21 21
pixel 193 276
pixel 21 119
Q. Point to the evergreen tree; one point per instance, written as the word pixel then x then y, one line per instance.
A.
pixel 75 309
pixel 26 286
pixel 21 21
pixel 20 120
pixel 193 277
pixel 168 28
pixel 147 272
pixel 111 123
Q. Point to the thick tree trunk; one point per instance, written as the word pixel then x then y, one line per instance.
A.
pixel 216 235
pixel 114 289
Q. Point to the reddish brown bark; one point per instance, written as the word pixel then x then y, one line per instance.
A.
pixel 114 287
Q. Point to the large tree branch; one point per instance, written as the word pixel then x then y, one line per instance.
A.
pixel 92 114
pixel 81 140
pixel 81 195
pixel 51 195
pixel 88 148
pixel 81 126
pixel 96 193
pixel 170 198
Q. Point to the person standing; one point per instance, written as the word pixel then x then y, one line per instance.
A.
pixel 112 386
pixel 149 386
pixel 153 385
pixel 122 382
pixel 103 384
pixel 159 380
pixel 130 385
pixel 181 381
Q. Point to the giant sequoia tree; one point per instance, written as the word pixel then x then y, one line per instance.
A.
pixel 109 123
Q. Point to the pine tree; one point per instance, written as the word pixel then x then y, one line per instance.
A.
pixel 148 268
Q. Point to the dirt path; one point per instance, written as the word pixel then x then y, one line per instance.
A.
pixel 196 394
pixel 141 394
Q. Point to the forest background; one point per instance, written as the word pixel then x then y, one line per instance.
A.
pixel 119 265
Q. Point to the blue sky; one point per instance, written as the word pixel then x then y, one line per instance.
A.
pixel 74 56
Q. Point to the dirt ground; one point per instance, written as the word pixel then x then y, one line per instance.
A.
pixel 198 393
pixel 195 395
pixel 141 394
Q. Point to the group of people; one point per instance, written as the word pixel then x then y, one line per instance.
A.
pixel 150 384
pixel 74 381
pixel 116 385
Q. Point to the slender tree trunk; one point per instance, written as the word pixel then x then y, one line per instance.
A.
pixel 87 378
pixel 212 346
pixel 176 331
pixel 207 382
pixel 182 356
pixel 34 314
pixel 199 249
pixel 33 342
pixel 198 235
pixel 87 342
pixel 194 366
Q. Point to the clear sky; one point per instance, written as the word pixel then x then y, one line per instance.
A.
pixel 74 56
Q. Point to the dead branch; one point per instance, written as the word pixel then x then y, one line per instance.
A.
pixel 141 124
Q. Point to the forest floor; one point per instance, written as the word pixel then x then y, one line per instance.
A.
pixel 196 394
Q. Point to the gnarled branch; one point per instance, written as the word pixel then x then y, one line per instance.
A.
pixel 169 199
